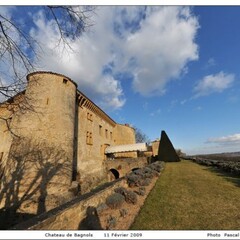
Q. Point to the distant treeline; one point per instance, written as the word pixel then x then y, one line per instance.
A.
pixel 221 156
pixel 225 162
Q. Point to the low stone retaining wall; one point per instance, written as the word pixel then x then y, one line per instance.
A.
pixel 69 215
pixel 92 210
pixel 125 165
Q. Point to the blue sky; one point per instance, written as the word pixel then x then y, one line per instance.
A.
pixel 157 68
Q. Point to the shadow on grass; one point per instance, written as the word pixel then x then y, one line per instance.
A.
pixel 230 177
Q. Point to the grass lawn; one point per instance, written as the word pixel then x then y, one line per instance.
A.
pixel 188 196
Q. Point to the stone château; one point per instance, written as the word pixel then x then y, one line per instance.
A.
pixel 53 140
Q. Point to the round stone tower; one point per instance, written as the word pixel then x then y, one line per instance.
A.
pixel 53 98
pixel 42 150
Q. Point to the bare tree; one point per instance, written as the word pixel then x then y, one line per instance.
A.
pixel 18 46
pixel 180 153
pixel 140 136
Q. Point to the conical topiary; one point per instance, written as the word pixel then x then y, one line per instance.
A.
pixel 166 151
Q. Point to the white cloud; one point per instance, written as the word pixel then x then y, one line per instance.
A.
pixel 230 143
pixel 162 47
pixel 209 149
pixel 231 139
pixel 157 112
pixel 233 99
pixel 152 44
pixel 183 101
pixel 84 64
pixel 213 83
pixel 6 11
pixel 210 63
pixel 199 108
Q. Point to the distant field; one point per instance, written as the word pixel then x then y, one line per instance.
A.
pixel 189 196
pixel 222 157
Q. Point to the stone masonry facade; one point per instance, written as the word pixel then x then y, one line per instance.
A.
pixel 52 143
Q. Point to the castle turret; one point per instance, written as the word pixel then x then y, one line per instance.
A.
pixel 43 144
pixel 53 97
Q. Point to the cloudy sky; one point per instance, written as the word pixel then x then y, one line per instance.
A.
pixel 157 68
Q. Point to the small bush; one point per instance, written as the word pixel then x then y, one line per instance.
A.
pixel 112 222
pixel 157 166
pixel 101 207
pixel 120 190
pixel 133 180
pixel 131 197
pixel 146 173
pixel 145 182
pixel 115 200
pixel 155 173
pixel 139 172
pixel 147 169
pixel 141 191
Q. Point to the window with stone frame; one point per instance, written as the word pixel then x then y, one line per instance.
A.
pixel 90 116
pixel 89 138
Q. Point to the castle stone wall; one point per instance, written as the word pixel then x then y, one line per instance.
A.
pixel 124 134
pixel 94 134
pixel 5 138
pixel 70 215
pixel 56 138
pixel 41 152
pixel 155 147
pixel 126 165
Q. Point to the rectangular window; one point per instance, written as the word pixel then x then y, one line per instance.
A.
pixel 110 135
pixel 100 130
pixel 89 138
pixel 89 116
pixel 106 133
